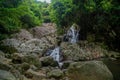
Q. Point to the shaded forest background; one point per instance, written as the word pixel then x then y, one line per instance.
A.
pixel 99 20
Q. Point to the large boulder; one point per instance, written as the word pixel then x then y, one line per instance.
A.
pixel 5 75
pixel 45 29
pixel 4 62
pixel 80 51
pixel 37 40
pixel 89 70
pixel 23 35
pixel 5 66
pixel 48 61
pixel 31 59
pixel 35 75
pixel 56 73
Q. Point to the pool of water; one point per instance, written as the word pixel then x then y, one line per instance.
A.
pixel 114 67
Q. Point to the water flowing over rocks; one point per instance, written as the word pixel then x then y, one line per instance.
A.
pixel 34 55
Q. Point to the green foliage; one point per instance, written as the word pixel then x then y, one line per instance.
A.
pixel 17 14
pixel 98 19
pixel 45 13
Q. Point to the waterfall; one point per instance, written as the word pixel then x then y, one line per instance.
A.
pixel 55 54
pixel 72 34
pixel 72 37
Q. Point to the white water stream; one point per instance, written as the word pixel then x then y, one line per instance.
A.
pixel 72 34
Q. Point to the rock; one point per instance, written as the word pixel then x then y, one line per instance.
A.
pixel 66 64
pixel 33 67
pixel 112 54
pixel 4 62
pixel 23 35
pixel 56 73
pixel 89 70
pixel 24 78
pixel 10 45
pixel 34 75
pixel 39 32
pixel 16 73
pixel 76 52
pixel 48 61
pixel 17 58
pixel 5 66
pixel 25 66
pixel 32 60
pixel 5 75
pixel 2 55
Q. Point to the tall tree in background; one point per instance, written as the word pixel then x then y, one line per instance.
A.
pixel 98 19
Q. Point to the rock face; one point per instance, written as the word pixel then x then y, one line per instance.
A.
pixel 4 75
pixel 81 51
pixel 37 40
pixel 89 70
pixel 46 29
pixel 29 59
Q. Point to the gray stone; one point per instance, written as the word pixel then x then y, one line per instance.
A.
pixel 56 73
pixel 76 52
pixel 32 60
pixel 48 61
pixel 35 75
pixel 5 66
pixel 5 75
pixel 89 70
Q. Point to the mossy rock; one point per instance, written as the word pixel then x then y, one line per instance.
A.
pixel 57 73
pixel 89 70
pixel 8 49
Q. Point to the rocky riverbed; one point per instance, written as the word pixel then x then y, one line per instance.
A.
pixel 23 57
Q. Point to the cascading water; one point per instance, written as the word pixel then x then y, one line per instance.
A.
pixel 56 55
pixel 72 34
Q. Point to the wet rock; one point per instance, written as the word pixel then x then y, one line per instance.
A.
pixel 5 75
pixel 56 73
pixel 48 61
pixel 89 70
